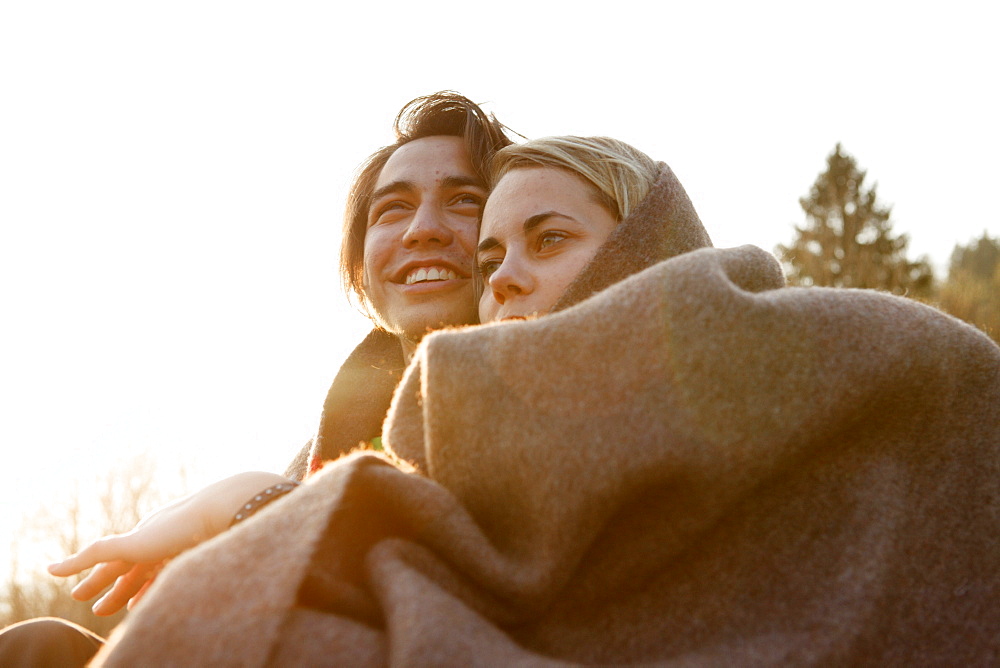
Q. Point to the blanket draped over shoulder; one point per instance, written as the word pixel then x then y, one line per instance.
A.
pixel 355 405
pixel 696 466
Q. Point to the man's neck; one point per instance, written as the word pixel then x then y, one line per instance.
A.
pixel 409 347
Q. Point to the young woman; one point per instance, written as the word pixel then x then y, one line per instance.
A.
pixel 554 204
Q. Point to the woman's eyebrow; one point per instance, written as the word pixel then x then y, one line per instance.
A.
pixel 539 218
pixel 487 244
pixel 531 223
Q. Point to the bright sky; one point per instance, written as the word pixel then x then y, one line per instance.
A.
pixel 172 177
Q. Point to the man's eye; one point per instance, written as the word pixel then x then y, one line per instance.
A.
pixel 385 212
pixel 468 199
pixel 391 206
pixel 547 239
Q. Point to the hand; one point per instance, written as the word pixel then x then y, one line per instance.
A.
pixel 128 562
pixel 131 581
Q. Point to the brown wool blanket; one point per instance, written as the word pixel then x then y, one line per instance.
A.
pixel 694 467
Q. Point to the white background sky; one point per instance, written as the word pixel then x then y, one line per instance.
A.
pixel 172 177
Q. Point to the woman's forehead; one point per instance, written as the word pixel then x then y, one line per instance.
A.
pixel 530 191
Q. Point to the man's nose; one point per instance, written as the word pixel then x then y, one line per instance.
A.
pixel 428 226
pixel 511 280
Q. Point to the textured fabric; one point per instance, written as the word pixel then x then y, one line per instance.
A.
pixel 663 225
pixel 697 466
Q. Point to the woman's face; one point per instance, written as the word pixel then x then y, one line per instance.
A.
pixel 541 226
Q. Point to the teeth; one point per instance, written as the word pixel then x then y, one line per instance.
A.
pixel 432 274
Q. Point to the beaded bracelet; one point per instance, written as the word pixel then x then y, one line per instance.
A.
pixel 262 499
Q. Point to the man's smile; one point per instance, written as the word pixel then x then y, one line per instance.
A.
pixel 436 273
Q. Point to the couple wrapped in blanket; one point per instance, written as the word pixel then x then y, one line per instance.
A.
pixel 652 452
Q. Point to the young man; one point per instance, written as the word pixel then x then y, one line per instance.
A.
pixel 410 233
pixel 409 239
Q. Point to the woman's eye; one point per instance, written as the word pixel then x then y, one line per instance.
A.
pixel 487 268
pixel 547 239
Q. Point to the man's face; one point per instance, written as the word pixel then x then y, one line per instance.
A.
pixel 421 238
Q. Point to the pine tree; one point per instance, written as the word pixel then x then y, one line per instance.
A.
pixel 972 291
pixel 847 239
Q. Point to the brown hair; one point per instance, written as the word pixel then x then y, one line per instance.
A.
pixel 445 113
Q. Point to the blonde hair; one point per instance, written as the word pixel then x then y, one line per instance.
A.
pixel 620 175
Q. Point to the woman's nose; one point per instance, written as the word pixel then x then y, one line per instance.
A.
pixel 511 279
pixel 427 226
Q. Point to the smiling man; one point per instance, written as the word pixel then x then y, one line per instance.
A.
pixel 409 240
pixel 412 218
pixel 420 239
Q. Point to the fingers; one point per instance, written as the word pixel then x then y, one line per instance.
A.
pixel 100 579
pixel 104 549
pixel 125 587
pixel 142 592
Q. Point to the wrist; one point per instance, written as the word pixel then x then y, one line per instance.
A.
pixel 261 499
pixel 227 496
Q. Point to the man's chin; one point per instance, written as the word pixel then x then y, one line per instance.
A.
pixel 416 328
